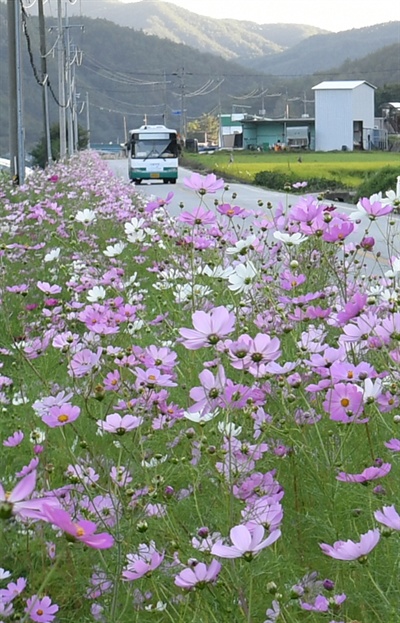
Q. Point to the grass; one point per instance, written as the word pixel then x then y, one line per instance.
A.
pixel 348 168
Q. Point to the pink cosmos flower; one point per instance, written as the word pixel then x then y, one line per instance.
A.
pixel 349 550
pixel 393 445
pixel 152 377
pixel 209 328
pixel 159 203
pixel 118 425
pixel 228 210
pixel 14 440
pixel 370 209
pixel 83 362
pixel 204 184
pixel 245 542
pixel 389 517
pixel 82 530
pixel 322 604
pixel 370 473
pixel 41 610
pixel 145 561
pixel 207 396
pixel 198 216
pixel 47 288
pixel 61 415
pixel 198 576
pixel 15 503
pixel 344 402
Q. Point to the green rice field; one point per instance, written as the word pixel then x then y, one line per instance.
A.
pixel 348 168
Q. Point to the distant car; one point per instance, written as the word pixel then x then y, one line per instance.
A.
pixel 5 165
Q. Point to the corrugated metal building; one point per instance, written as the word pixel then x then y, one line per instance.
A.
pixel 344 115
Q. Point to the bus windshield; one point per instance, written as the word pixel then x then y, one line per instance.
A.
pixel 154 148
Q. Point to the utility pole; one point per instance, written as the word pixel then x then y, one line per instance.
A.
pixel 87 120
pixel 45 81
pixel 61 83
pixel 70 133
pixel 17 150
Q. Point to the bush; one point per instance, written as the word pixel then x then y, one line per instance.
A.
pixel 383 180
pixel 277 181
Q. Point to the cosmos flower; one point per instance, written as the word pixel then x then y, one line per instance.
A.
pixel 119 425
pixel 41 610
pixel 370 473
pixel 389 517
pixel 199 575
pixel 146 560
pixel 209 328
pixel 204 184
pixel 61 415
pixel 82 530
pixel 16 502
pixel 245 542
pixel 351 550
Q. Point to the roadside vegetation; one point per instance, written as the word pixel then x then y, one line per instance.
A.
pixel 199 415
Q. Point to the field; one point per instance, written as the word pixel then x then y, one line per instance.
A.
pixel 348 168
pixel 199 416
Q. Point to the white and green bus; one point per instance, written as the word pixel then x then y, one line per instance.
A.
pixel 153 154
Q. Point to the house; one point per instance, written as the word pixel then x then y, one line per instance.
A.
pixel 231 130
pixel 344 115
pixel 266 134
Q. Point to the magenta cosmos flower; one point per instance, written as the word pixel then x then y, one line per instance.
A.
pixel 82 530
pixel 146 560
pixel 209 328
pixel 61 415
pixel 15 503
pixel 370 473
pixel 41 610
pixel 393 445
pixel 245 542
pixel 115 423
pixel 349 550
pixel 389 517
pixel 198 576
pixel 204 184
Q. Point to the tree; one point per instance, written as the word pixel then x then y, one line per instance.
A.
pixel 39 152
pixel 208 124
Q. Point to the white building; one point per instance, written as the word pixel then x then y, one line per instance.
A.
pixel 344 115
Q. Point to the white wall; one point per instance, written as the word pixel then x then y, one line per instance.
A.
pixel 333 119
pixel 335 111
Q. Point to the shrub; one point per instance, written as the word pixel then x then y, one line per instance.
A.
pixel 383 180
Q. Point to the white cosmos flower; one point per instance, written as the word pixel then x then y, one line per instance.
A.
pixel 97 293
pixel 241 246
pixel 395 268
pixel 391 199
pixel 135 326
pixel 241 279
pixel 134 225
pixel 37 436
pixel 372 389
pixel 184 293
pixel 86 216
pixel 4 573
pixel 290 239
pixel 199 416
pixel 229 429
pixel 137 236
pixel 115 249
pixel 52 255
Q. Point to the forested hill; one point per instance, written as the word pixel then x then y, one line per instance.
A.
pixel 229 38
pixel 326 51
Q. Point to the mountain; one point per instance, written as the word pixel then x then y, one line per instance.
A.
pixel 231 39
pixel 325 51
pixel 127 75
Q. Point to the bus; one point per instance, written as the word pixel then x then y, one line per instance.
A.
pixel 153 154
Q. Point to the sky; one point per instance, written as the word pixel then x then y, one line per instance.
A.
pixel 334 15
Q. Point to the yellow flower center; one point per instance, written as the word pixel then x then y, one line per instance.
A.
pixel 39 612
pixel 345 402
pixel 80 531
pixel 63 418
